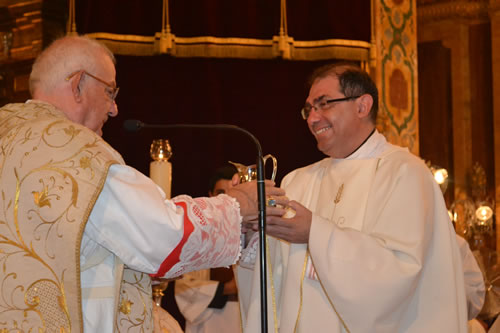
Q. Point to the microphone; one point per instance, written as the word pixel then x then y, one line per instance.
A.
pixel 134 125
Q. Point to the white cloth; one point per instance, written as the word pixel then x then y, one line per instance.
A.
pixel 164 322
pixel 382 245
pixel 473 278
pixel 193 295
pixel 132 221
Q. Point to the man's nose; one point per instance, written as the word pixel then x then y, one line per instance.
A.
pixel 114 110
pixel 313 116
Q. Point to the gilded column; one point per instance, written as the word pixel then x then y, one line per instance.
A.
pixel 396 70
pixel 450 23
pixel 495 64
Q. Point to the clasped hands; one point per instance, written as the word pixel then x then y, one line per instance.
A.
pixel 279 222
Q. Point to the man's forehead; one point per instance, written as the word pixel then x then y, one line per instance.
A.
pixel 323 87
pixel 108 70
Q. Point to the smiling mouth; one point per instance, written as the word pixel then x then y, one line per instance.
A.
pixel 322 130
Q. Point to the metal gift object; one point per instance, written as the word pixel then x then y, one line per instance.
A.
pixel 248 173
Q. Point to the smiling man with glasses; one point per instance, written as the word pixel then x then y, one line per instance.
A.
pixel 82 233
pixel 370 247
pixel 322 104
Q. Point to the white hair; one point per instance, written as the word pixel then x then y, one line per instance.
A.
pixel 64 57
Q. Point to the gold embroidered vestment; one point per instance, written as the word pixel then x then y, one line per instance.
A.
pixel 51 173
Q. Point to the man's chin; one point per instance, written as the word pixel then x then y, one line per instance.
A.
pixel 328 150
pixel 322 148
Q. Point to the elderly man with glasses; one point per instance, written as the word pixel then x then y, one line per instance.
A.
pixel 370 247
pixel 80 232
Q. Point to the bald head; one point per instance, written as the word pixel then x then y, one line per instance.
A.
pixel 77 76
pixel 62 58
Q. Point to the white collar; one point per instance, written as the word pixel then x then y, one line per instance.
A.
pixel 373 147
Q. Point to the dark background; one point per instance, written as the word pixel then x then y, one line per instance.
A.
pixel 261 96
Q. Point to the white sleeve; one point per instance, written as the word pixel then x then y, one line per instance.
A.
pixel 473 278
pixel 132 219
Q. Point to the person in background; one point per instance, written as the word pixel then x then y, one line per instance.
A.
pixel 370 247
pixel 81 232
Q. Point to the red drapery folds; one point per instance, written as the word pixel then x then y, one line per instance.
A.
pixel 263 96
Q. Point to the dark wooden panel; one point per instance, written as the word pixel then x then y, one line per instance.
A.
pixel 482 100
pixel 435 109
pixel 14 77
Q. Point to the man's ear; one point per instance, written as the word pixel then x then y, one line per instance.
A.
pixel 365 103
pixel 76 87
pixel 235 180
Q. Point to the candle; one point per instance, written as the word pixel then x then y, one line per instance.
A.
pixel 160 170
pixel 161 173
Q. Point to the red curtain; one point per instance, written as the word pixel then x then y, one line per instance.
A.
pixel 262 96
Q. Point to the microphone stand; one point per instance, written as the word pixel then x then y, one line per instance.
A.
pixel 135 125
pixel 261 195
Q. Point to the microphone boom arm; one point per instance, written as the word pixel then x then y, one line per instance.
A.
pixel 136 125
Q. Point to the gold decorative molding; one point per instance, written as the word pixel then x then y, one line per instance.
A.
pixel 281 46
pixel 218 47
pixel 25 31
pixel 71 24
pixel 452 10
pixel 494 7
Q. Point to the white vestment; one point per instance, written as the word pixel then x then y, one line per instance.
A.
pixel 384 254
pixel 473 278
pixel 164 322
pixel 193 295
pixel 133 221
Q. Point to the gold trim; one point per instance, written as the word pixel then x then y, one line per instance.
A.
pixel 301 292
pixel 71 24
pixel 86 215
pixel 232 47
pixel 273 291
pixel 453 10
pixel 328 296
pixel 281 46
pixel 373 37
pixel 494 7
pixel 284 47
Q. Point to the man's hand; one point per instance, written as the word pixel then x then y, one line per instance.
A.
pixel 246 194
pixel 293 230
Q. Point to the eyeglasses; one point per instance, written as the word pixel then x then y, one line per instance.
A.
pixel 323 105
pixel 111 90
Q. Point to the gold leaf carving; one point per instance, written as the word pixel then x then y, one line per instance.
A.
pixel 41 198
pixel 452 10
